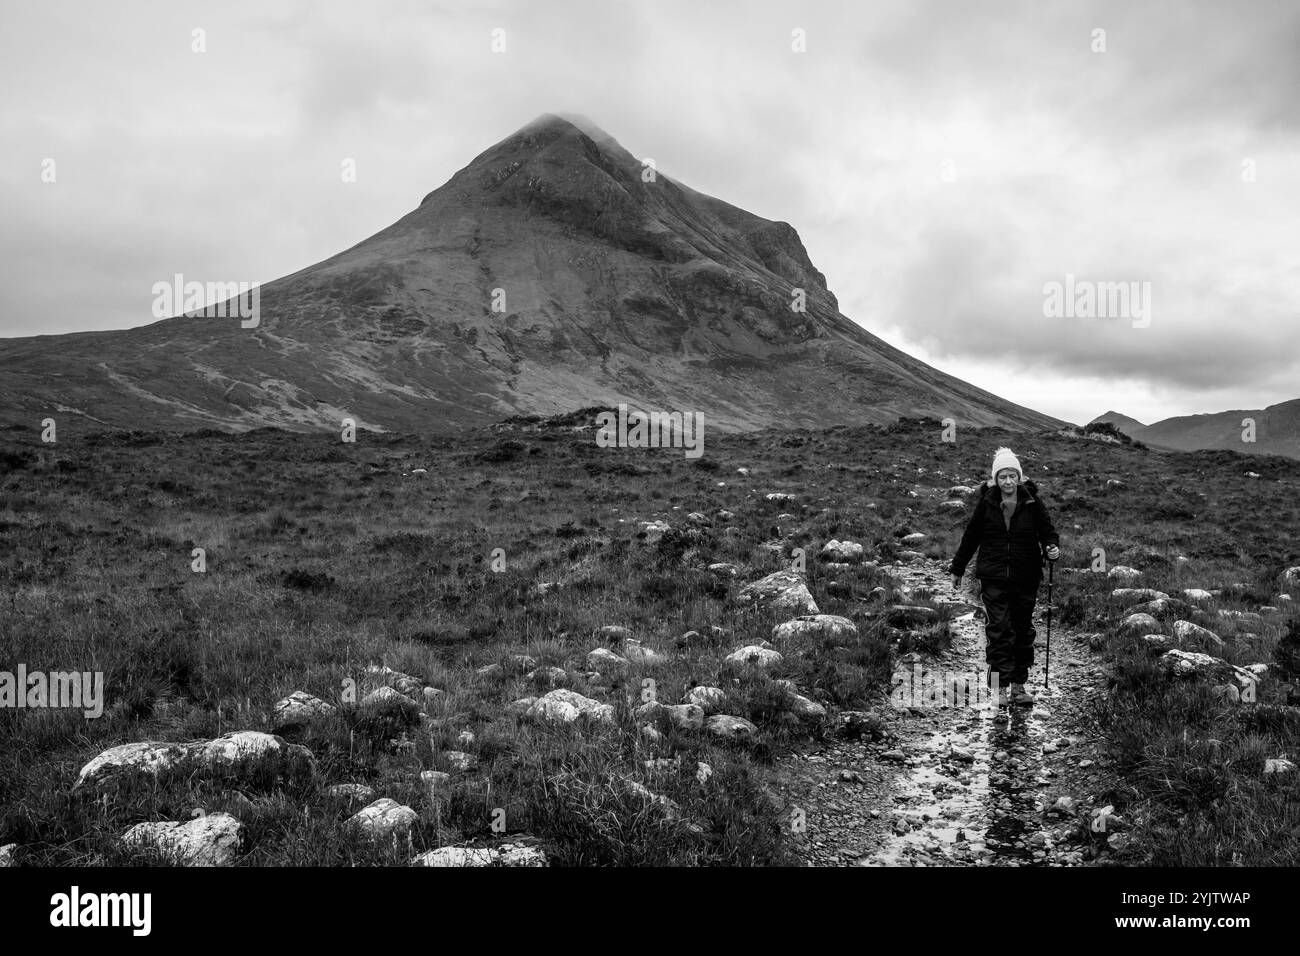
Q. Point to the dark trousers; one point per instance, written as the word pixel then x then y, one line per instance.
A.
pixel 1009 633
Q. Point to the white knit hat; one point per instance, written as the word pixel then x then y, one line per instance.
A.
pixel 1005 458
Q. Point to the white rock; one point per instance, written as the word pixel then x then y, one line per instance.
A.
pixel 1278 765
pixel 755 655
pixel 1187 631
pixel 1197 594
pixel 708 699
pixel 842 552
pixel 734 728
pixel 383 819
pixel 1189 662
pixel 508 854
pixel 685 716
pixel 351 791
pixel 1139 624
pixel 210 840
pixel 459 760
pixel 566 706
pixel 382 674
pixel 298 709
pixel 548 676
pixel 782 591
pixel 806 708
pixel 915 537
pixel 816 626
pixel 143 757
pixel 605 661
pixel 1139 594
pixel 1123 571
pixel 634 651
pixel 387 700
pixel 8 854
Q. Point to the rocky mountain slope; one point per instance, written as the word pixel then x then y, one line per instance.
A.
pixel 546 275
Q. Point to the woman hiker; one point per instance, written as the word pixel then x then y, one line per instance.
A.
pixel 1011 528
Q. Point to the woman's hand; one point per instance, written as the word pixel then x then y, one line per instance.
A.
pixel 1053 552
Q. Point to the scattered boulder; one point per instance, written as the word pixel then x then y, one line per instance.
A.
pixel 8 855
pixel 754 655
pixel 722 569
pixel 613 634
pixel 1123 571
pixel 358 792
pixel 687 717
pixel 208 840
pixel 1139 594
pixel 780 498
pixel 816 626
pixel 841 552
pixel 384 819
pixel 782 591
pixel 1291 577
pixel 247 750
pixel 381 675
pixel 634 651
pixel 298 710
pixel 708 699
pixel 605 661
pixel 1197 594
pixel 916 537
pixel 806 708
pixel 1194 633
pixel 731 728
pixel 566 706
pixel 387 701
pixel 508 854
pixel 151 757
pixel 1278 765
pixel 1139 624
pixel 548 676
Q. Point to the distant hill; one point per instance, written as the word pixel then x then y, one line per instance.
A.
pixel 1277 430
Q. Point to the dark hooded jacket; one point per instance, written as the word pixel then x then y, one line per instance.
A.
pixel 1006 555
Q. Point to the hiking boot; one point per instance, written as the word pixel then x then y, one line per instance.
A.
pixel 1021 697
pixel 998 698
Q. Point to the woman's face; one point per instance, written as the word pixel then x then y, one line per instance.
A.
pixel 1008 478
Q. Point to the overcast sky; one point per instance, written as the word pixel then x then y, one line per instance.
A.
pixel 941 161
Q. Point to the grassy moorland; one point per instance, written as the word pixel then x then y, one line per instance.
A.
pixel 325 557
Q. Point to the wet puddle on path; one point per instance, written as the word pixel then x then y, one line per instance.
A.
pixel 961 785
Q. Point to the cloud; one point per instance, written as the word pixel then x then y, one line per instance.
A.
pixel 941 160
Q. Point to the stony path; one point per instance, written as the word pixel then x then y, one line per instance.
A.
pixel 952 785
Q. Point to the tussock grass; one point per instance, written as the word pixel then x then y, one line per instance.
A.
pixel 324 558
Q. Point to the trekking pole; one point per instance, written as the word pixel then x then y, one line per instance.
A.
pixel 1047 664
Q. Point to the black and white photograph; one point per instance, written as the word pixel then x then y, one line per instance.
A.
pixel 589 434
